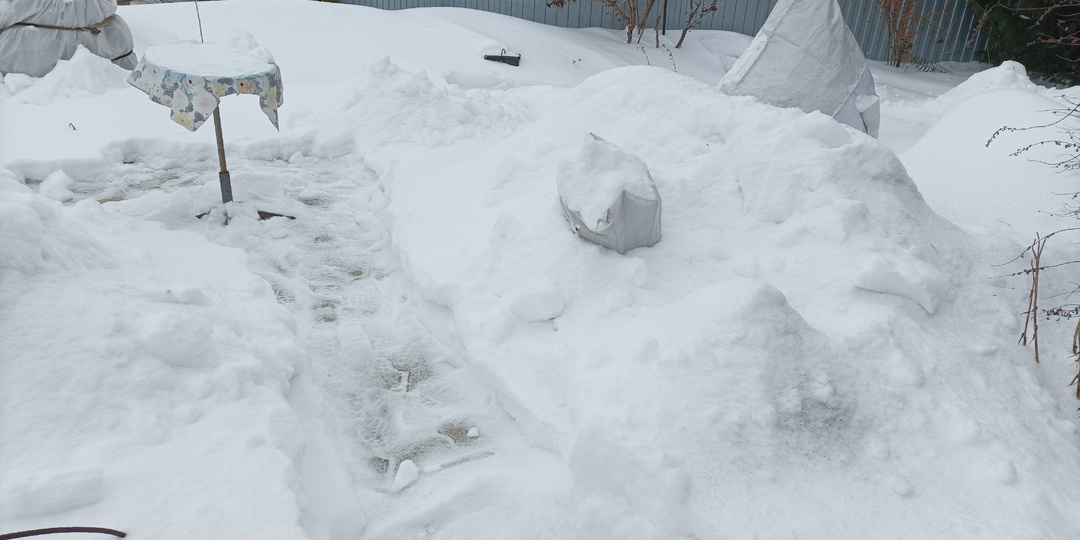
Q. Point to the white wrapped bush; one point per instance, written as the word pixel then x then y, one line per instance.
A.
pixel 609 197
pixel 35 34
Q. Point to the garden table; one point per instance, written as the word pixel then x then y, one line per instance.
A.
pixel 190 78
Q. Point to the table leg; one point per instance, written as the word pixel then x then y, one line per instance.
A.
pixel 223 175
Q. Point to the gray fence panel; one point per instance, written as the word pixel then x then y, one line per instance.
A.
pixel 948 31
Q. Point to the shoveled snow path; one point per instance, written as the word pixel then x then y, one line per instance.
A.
pixel 388 383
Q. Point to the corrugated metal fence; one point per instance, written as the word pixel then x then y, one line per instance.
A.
pixel 947 33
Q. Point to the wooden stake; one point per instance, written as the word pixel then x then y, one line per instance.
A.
pixel 223 174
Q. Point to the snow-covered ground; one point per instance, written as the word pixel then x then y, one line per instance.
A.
pixel 820 346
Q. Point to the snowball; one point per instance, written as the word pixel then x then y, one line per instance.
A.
pixel 407 473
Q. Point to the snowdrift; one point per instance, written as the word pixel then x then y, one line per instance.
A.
pixel 1026 192
pixel 144 379
pixel 809 352
pixel 779 349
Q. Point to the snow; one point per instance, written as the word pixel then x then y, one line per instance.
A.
pixel 57 186
pixel 907 277
pixel 963 133
pixel 821 345
pixel 208 59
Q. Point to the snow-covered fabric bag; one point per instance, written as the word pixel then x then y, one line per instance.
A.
pixel 35 34
pixel 805 56
pixel 609 197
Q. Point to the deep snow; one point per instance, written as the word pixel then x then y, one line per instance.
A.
pixel 820 346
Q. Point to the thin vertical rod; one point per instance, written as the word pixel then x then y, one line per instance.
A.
pixel 199 16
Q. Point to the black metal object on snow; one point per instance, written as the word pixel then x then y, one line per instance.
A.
pixel 512 60
pixel 57 530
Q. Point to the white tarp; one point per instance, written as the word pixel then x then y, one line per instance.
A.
pixel 609 197
pixel 806 57
pixel 35 34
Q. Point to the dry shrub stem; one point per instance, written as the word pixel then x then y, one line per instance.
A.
pixel 635 17
pixel 697 13
pixel 1031 316
pixel 903 20
pixel 1076 353
pixel 1033 313
pixel 627 11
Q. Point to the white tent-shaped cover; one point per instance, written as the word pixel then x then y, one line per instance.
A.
pixel 806 57
pixel 35 34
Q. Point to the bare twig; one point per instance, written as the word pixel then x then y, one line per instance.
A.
pixel 1070 144
pixel 1030 248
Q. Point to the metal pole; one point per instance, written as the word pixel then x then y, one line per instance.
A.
pixel 223 175
pixel 663 25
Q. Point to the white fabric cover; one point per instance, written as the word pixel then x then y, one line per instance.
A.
pixel 805 56
pixel 608 196
pixel 35 51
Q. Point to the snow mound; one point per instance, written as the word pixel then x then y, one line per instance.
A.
pixel 135 353
pixel 746 337
pixel 1015 193
pixel 84 75
pixel 57 186
pixel 1009 74
pixel 409 107
pixel 35 235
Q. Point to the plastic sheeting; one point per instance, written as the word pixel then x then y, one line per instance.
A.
pixel 806 57
pixel 608 197
pixel 862 109
pixel 34 50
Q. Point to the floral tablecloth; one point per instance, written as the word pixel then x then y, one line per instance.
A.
pixel 190 79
